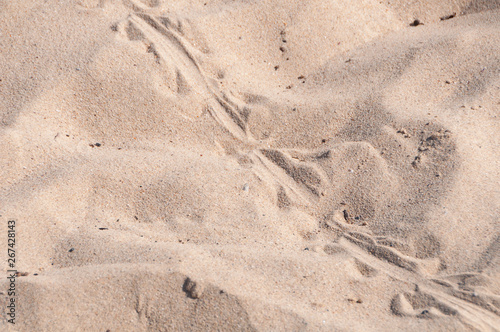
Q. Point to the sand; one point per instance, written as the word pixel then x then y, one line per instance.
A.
pixel 262 165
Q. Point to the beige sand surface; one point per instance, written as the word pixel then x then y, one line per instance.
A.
pixel 203 165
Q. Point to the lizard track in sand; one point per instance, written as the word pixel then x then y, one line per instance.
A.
pixel 303 182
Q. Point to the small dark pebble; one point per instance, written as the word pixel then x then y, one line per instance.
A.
pixel 276 67
pixel 447 17
pixel 416 23
pixel 425 312
pixel 346 215
pixel 193 289
pixel 301 77
pixel 323 140
pixel 103 228
pixel 98 144
pixel 71 250
pixel 282 49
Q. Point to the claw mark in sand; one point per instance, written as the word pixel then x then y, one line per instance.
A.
pixel 302 183
pixel 168 46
